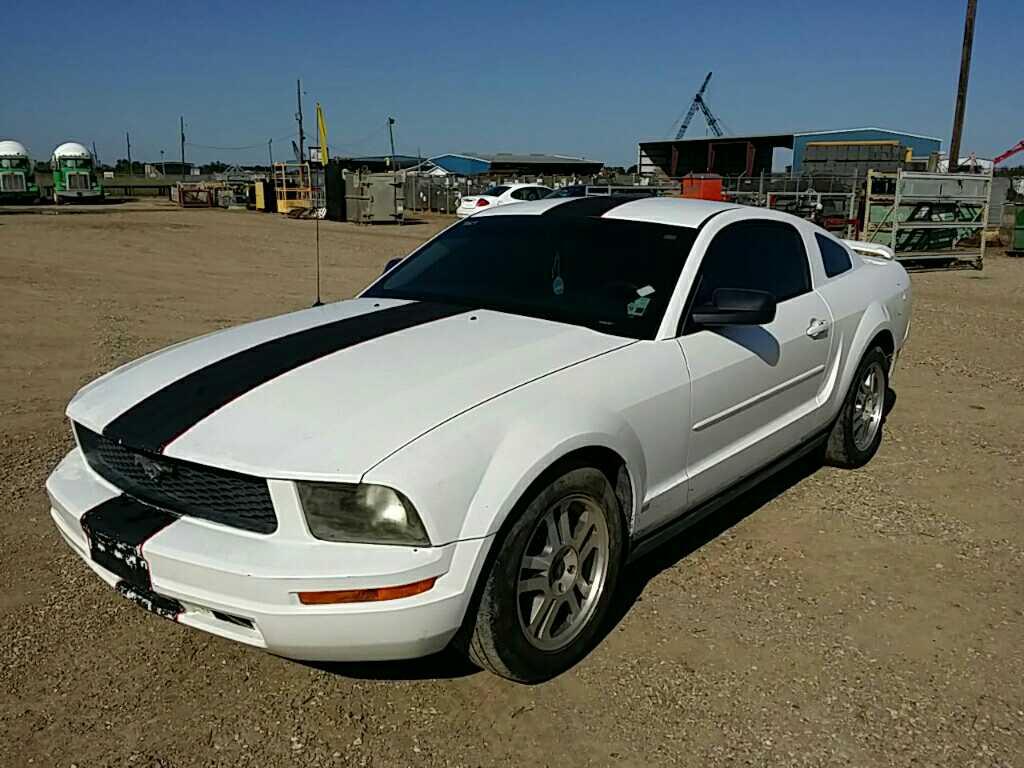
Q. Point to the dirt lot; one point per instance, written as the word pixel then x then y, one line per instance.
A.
pixel 831 618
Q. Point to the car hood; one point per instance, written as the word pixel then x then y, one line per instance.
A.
pixel 325 393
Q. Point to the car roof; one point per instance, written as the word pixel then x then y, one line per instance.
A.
pixel 675 211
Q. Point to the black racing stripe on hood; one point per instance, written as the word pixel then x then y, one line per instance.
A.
pixel 117 529
pixel 169 412
pixel 597 205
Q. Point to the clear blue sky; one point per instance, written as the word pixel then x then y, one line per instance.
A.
pixel 587 78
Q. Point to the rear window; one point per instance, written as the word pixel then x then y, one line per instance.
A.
pixel 834 257
pixel 495 191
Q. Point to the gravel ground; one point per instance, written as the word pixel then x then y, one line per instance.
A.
pixel 828 618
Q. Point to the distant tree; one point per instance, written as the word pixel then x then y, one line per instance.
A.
pixel 121 167
pixel 215 167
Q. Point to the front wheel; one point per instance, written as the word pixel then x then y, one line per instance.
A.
pixel 857 431
pixel 552 580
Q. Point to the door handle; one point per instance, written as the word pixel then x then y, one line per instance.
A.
pixel 817 328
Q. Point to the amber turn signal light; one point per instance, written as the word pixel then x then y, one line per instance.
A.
pixel 332 597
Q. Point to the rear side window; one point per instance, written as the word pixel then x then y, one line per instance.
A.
pixel 834 257
pixel 529 193
pixel 758 255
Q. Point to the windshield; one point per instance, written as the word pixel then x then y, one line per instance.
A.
pixel 611 275
pixel 495 191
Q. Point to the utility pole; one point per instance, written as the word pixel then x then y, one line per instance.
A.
pixel 298 116
pixel 128 139
pixel 391 136
pixel 181 126
pixel 270 151
pixel 961 91
pixel 163 164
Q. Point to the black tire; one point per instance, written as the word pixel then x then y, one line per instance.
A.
pixel 498 641
pixel 842 449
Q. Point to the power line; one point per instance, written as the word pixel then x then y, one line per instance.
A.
pixel 375 133
pixel 258 145
pixel 263 143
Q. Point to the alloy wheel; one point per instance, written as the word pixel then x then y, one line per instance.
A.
pixel 562 572
pixel 867 406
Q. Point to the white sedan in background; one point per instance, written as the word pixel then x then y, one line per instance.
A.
pixel 500 194
pixel 470 451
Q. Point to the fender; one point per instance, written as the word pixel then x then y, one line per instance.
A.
pixel 491 457
pixel 465 475
pixel 876 318
pixel 530 449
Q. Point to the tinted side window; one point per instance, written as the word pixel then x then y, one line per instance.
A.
pixel 524 193
pixel 759 255
pixel 834 257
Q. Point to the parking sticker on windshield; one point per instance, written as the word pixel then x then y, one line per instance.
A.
pixel 647 290
pixel 637 307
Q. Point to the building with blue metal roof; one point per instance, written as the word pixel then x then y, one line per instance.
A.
pixel 475 164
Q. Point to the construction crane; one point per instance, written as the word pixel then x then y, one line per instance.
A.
pixel 1018 147
pixel 699 103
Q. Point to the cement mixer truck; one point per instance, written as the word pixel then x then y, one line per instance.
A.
pixel 17 175
pixel 74 174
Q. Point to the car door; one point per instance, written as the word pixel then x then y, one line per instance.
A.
pixel 754 388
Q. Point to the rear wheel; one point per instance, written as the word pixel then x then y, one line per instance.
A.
pixel 857 431
pixel 550 584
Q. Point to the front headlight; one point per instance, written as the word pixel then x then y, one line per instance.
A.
pixel 363 514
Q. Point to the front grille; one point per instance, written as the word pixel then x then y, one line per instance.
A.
pixel 12 182
pixel 229 498
pixel 78 181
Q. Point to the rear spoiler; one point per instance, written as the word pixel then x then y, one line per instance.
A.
pixel 871 249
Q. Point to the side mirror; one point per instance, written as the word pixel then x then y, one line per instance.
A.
pixel 392 263
pixel 736 306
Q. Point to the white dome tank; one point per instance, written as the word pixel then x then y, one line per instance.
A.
pixel 71 149
pixel 13 149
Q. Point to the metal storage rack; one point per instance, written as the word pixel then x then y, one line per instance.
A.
pixel 839 196
pixel 928 217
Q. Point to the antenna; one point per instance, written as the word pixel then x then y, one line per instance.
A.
pixel 317 303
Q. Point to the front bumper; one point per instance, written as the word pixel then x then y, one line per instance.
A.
pixel 83 194
pixel 243 586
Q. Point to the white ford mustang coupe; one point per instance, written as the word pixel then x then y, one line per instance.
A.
pixel 470 451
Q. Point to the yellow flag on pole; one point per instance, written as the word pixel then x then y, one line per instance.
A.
pixel 321 126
